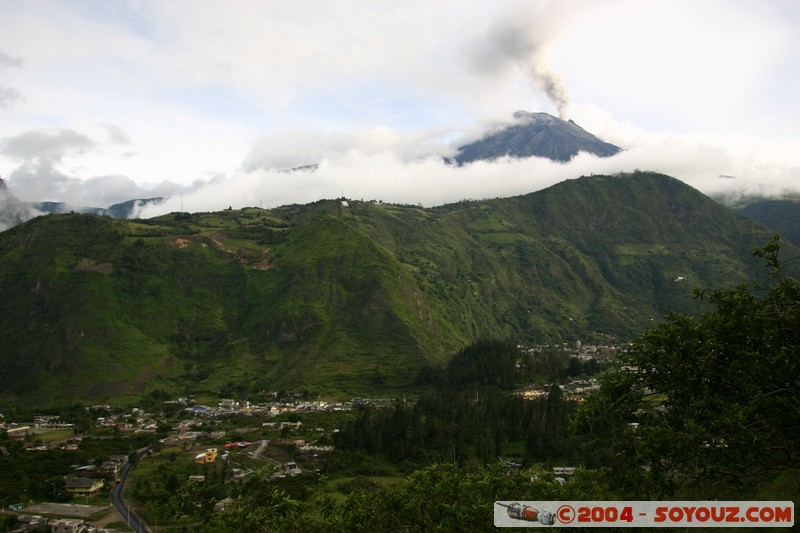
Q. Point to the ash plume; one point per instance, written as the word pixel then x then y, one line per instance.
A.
pixel 9 96
pixel 553 86
pixel 521 40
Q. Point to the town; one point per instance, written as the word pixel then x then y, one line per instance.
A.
pixel 195 448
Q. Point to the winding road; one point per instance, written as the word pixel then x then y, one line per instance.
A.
pixel 116 498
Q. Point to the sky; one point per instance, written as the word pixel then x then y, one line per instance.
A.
pixel 210 102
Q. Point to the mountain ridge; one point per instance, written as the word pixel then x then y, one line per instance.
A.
pixel 348 297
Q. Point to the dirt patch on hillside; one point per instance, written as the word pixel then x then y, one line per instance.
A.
pixel 264 264
pixel 108 388
pixel 90 265
pixel 145 375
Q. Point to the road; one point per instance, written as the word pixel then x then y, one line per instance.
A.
pixel 116 498
pixel 257 454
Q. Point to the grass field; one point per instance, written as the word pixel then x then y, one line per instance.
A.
pixel 54 435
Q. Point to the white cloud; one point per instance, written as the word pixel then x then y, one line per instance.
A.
pixel 9 97
pixel 45 173
pixel 7 60
pixel 296 148
pixel 116 134
pixel 33 145
pixel 703 65
pixel 389 175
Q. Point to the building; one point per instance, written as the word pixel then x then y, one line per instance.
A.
pixel 84 486
pixel 50 422
pixel 68 526
pixel 111 468
pixel 209 456
pixel 222 504
pixel 18 432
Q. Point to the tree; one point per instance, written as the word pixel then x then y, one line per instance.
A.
pixel 272 510
pixel 440 497
pixel 709 396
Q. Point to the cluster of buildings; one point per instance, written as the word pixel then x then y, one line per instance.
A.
pixel 60 525
pixel 108 469
pixel 230 406
pixel 16 431
pixel 576 390
pixel 585 352
pixel 137 420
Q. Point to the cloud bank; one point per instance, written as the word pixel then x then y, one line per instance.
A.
pixel 373 171
pixel 45 173
pixel 383 164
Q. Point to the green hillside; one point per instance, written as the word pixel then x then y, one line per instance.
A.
pixel 782 215
pixel 346 299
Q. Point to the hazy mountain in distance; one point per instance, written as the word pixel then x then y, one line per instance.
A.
pixel 13 211
pixel 535 135
pixel 131 208
pixel 128 209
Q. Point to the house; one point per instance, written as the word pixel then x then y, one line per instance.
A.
pixel 84 486
pixel 222 504
pixel 104 422
pixel 110 469
pixel 50 422
pixel 68 526
pixel 18 432
pixel 291 469
pixel 209 456
pixel 227 403
pixel 239 474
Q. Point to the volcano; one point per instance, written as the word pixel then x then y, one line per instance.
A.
pixel 535 135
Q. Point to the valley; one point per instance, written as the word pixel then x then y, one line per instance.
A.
pixel 348 355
